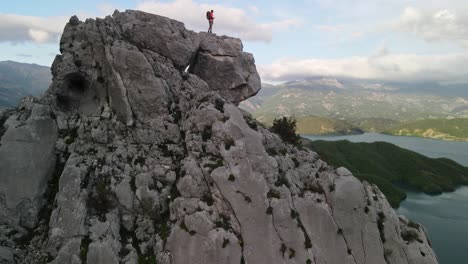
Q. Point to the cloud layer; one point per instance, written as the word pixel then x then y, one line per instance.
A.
pixel 435 25
pixel 17 28
pixel 450 68
pixel 228 20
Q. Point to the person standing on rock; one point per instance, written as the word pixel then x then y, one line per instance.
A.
pixel 210 17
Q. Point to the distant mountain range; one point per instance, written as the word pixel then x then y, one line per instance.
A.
pixel 364 105
pixel 21 79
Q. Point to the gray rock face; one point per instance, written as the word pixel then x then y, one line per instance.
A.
pixel 148 162
pixel 229 71
pixel 27 160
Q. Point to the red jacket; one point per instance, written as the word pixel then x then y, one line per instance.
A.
pixel 211 17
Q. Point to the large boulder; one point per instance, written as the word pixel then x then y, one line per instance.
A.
pixel 228 70
pixel 27 161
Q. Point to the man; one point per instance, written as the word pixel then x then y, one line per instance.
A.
pixel 210 17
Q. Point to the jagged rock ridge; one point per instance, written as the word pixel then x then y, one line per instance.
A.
pixel 138 153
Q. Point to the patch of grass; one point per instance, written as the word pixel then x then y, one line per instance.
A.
pixel 293 214
pixel 272 152
pixel 273 194
pixel 246 197
pixel 251 122
pixel 207 133
pixel 296 162
pixel 147 260
pixel 219 105
pixel 231 177
pixel 225 242
pixel 366 209
pixel 207 199
pixel 85 241
pixel 163 229
pixel 228 143
pixel 413 224
pixel 380 224
pixel 68 140
pixel 223 223
pixel 102 198
pixel 314 188
pixel 282 181
pixel 215 163
pixel 283 249
pixel 307 243
pixel 184 227
pixel 410 236
pixel 139 160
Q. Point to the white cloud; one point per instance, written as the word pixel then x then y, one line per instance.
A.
pixel 435 25
pixel 17 28
pixel 382 65
pixel 38 35
pixel 228 20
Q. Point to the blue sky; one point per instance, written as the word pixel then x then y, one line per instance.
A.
pixel 410 40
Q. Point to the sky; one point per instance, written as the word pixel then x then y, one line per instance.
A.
pixel 397 40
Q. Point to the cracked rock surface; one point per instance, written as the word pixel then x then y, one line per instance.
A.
pixel 138 153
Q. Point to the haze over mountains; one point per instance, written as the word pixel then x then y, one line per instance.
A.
pixel 21 79
pixel 372 106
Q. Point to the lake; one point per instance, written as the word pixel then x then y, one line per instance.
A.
pixel 446 215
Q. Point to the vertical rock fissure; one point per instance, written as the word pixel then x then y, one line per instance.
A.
pixel 274 226
pixel 362 245
pixel 304 231
pixel 232 210
pixel 337 225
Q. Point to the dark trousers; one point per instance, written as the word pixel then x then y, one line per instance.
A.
pixel 211 26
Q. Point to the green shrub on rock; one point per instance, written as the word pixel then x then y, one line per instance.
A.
pixel 285 127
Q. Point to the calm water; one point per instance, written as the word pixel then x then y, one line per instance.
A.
pixel 446 218
pixel 446 215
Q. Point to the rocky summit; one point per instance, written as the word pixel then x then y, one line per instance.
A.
pixel 138 153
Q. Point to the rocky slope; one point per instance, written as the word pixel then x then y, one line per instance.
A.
pixel 138 153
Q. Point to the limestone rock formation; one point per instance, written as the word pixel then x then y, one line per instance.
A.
pixel 138 153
